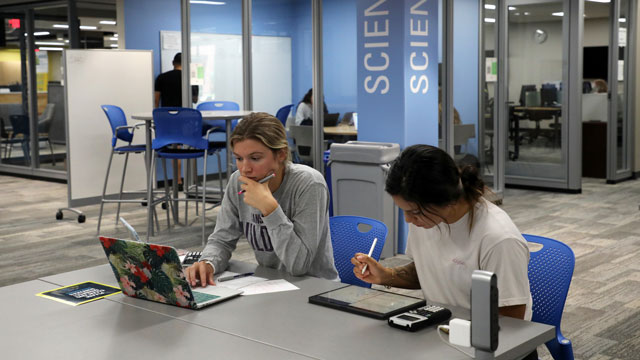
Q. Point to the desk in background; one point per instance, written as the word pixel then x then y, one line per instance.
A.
pixel 273 325
pixel 532 113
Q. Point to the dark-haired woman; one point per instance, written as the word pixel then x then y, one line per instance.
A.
pixel 304 112
pixel 453 231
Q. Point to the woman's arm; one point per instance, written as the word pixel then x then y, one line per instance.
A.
pixel 296 240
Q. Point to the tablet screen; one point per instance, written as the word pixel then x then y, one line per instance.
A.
pixel 365 301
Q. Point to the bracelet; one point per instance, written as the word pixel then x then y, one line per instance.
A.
pixel 393 275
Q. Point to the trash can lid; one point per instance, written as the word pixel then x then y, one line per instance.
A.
pixel 364 152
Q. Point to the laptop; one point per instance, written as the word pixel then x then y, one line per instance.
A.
pixel 154 272
pixel 331 119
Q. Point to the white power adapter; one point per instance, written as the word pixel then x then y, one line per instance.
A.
pixel 460 332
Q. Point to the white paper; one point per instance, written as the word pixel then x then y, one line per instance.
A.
pixel 269 286
pixel 241 283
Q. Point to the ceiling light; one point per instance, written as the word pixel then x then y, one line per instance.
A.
pixel 87 27
pixel 44 48
pixel 41 33
pixel 115 35
pixel 600 1
pixel 560 13
pixel 113 38
pixel 511 8
pixel 114 45
pixel 107 22
pixel 527 13
pixel 489 20
pixel 49 43
pixel 208 2
pixel 622 20
pixel 489 6
pixel 61 26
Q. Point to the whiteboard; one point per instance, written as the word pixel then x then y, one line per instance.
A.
pixel 220 58
pixel 100 77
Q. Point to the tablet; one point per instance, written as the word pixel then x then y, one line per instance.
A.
pixel 373 303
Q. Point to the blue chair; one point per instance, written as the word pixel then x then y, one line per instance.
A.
pixel 283 114
pixel 218 125
pixel 183 126
pixel 120 131
pixel 550 273
pixel 347 240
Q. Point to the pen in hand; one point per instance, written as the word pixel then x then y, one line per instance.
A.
pixel 261 181
pixel 373 246
pixel 232 277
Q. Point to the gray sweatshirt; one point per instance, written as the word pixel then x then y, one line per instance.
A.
pixel 295 237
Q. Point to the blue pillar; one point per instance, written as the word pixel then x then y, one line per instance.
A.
pixel 398 74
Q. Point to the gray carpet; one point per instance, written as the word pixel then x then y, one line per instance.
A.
pixel 602 226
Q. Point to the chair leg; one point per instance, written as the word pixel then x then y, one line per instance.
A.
pixel 220 175
pixel 166 190
pixel 204 194
pixel 124 171
pixel 104 191
pixel 53 157
pixel 185 190
pixel 149 201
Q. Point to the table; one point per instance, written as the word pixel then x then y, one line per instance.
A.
pixel 347 130
pixel 147 117
pixel 266 323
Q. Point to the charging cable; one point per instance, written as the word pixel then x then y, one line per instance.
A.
pixel 459 335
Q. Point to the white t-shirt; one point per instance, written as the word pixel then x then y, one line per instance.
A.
pixel 446 256
pixel 303 112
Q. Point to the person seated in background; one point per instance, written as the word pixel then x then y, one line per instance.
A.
pixel 600 86
pixel 285 219
pixel 453 231
pixel 304 112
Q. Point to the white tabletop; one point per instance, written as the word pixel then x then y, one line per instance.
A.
pixel 206 115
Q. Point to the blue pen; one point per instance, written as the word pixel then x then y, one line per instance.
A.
pixel 227 278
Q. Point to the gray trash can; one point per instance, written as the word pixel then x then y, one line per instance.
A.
pixel 358 173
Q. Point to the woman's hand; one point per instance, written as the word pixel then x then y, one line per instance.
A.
pixel 258 195
pixel 200 274
pixel 375 272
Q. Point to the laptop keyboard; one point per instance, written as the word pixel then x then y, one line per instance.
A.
pixel 202 297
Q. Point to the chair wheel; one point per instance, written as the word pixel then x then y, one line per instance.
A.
pixel 81 218
pixel 59 215
pixel 164 206
pixel 144 203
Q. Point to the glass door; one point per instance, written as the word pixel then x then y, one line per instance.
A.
pixel 619 129
pixel 536 84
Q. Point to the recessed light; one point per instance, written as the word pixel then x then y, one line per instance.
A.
pixel 107 22
pixel 41 33
pixel 559 13
pixel 61 26
pixel 44 48
pixel 489 20
pixel 49 43
pixel 489 6
pixel 88 27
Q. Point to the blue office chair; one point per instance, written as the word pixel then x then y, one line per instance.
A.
pixel 218 125
pixel 283 114
pixel 550 272
pixel 123 132
pixel 347 240
pixel 183 126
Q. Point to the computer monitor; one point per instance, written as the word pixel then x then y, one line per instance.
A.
pixel 548 95
pixel 523 92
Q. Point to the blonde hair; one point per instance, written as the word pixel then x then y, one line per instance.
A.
pixel 264 128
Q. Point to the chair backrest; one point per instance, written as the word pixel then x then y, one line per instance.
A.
pixel 347 240
pixel 45 120
pixel 216 106
pixel 550 273
pixel 20 125
pixel 303 138
pixel 283 114
pixel 116 118
pixel 178 126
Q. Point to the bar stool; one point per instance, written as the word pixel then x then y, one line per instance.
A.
pixel 123 132
pixel 183 126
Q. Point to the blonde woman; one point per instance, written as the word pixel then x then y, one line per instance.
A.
pixel 285 219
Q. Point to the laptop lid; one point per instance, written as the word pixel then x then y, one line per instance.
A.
pixel 154 272
pixel 331 119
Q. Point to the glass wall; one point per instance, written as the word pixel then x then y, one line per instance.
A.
pixel 38 145
pixel 489 78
